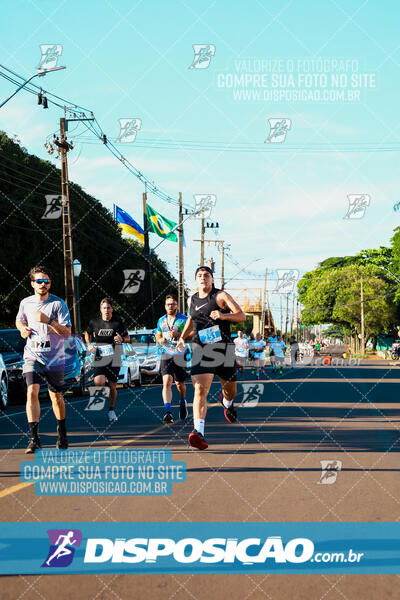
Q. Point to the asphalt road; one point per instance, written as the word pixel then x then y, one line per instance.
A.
pixel 264 468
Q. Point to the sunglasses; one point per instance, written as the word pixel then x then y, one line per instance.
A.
pixel 46 281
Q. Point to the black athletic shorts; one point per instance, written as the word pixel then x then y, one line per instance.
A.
pixel 170 367
pixel 218 358
pixel 110 373
pixel 54 379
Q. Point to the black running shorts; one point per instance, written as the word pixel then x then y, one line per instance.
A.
pixel 170 367
pixel 110 373
pixel 218 359
pixel 54 379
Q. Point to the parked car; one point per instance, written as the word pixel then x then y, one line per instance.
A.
pixel 78 363
pixel 79 366
pixel 130 370
pixel 144 344
pixel 3 384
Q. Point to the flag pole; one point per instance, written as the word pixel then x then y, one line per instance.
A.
pixel 147 256
pixel 181 292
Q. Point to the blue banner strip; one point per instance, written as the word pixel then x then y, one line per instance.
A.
pixel 45 548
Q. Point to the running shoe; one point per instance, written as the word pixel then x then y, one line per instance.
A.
pixel 62 442
pixel 112 417
pixel 197 440
pixel 183 410
pixel 257 375
pixel 34 444
pixel 168 419
pixel 229 413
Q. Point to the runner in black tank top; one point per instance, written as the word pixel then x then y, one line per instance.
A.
pixel 211 312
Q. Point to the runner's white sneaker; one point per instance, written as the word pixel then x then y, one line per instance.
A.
pixel 112 416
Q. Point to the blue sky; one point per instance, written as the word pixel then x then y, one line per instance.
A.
pixel 285 206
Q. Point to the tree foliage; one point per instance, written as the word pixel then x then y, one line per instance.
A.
pixel 28 239
pixel 332 293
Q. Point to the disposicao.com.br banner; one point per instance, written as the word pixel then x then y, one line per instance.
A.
pixel 45 548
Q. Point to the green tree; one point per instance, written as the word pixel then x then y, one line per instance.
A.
pixel 28 239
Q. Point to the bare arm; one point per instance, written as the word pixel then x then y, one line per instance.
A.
pixel 63 330
pixel 225 300
pixel 23 329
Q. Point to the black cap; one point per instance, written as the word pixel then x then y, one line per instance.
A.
pixel 204 268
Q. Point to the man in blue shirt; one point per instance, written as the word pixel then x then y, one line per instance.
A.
pixel 169 329
pixel 43 320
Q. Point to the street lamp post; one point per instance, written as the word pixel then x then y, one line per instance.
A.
pixel 77 271
pixel 40 73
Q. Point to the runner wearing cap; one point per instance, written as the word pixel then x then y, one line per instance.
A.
pixel 211 311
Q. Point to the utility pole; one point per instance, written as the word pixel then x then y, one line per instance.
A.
pixel 297 321
pixel 292 319
pixel 263 305
pixel 181 284
pixel 222 247
pixel 280 297
pixel 147 258
pixel 223 266
pixel 287 317
pixel 202 238
pixel 362 321
pixel 66 226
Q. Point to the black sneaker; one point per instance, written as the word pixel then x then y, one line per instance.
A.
pixel 34 444
pixel 183 410
pixel 168 419
pixel 62 442
pixel 230 413
pixel 197 440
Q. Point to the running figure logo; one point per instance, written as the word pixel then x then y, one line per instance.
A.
pixel 330 470
pixel 251 394
pixel 128 129
pixel 278 129
pixel 204 202
pixel 50 55
pixel 54 205
pixel 358 204
pixel 286 281
pixel 203 54
pixel 98 396
pixel 61 551
pixel 133 279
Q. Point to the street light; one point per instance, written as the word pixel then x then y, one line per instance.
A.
pixel 40 73
pixel 77 271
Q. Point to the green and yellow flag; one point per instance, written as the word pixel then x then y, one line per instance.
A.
pixel 160 225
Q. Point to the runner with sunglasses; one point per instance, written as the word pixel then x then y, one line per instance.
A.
pixel 169 329
pixel 213 352
pixel 43 320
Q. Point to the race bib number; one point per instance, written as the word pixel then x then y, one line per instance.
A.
pixel 106 350
pixel 210 335
pixel 41 345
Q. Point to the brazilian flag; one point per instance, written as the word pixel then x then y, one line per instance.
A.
pixel 160 225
